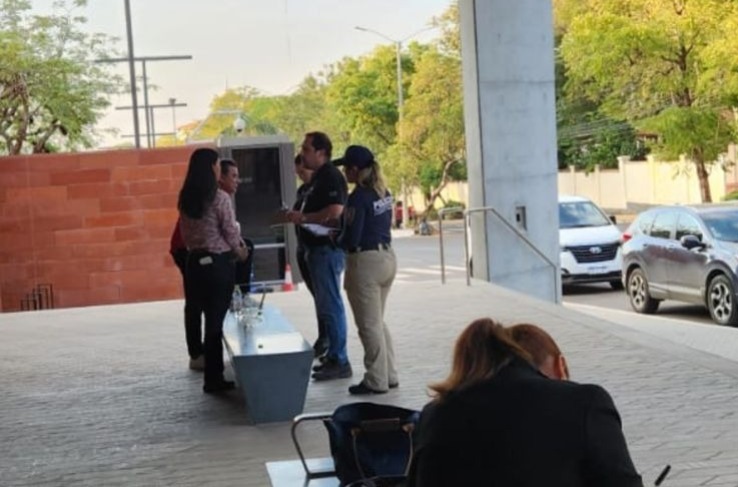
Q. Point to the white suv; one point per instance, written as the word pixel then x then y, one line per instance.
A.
pixel 590 243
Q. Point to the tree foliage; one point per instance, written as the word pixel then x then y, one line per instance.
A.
pixel 51 93
pixel 432 132
pixel 656 63
pixel 363 93
pixel 355 101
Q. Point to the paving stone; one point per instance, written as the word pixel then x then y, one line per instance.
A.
pixel 102 395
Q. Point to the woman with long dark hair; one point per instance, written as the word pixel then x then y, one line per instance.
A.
pixel 497 420
pixel 211 235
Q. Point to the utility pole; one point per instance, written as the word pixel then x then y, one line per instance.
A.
pixel 132 72
pixel 144 60
pixel 151 132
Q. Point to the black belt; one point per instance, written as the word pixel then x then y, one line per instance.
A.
pixel 205 252
pixel 365 248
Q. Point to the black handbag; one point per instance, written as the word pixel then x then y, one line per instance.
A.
pixel 371 443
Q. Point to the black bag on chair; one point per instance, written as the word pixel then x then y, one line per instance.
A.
pixel 371 442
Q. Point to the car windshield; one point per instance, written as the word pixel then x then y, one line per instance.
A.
pixel 723 225
pixel 580 214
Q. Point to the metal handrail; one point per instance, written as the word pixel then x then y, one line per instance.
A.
pixel 518 233
pixel 441 212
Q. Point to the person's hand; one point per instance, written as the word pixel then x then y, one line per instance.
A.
pixel 295 217
pixel 332 222
pixel 242 253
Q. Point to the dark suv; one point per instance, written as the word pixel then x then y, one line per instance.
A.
pixel 684 253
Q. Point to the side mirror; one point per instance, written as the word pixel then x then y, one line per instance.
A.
pixel 690 242
pixel 613 219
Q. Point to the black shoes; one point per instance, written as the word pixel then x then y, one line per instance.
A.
pixel 219 386
pixel 361 389
pixel 320 347
pixel 331 370
pixel 322 359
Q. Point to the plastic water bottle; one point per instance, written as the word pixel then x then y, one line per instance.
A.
pixel 236 300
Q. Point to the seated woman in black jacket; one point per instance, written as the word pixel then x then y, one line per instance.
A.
pixel 497 421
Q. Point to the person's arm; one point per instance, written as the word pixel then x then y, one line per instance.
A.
pixel 176 242
pixel 607 460
pixel 355 216
pixel 228 227
pixel 330 212
pixel 334 185
pixel 433 462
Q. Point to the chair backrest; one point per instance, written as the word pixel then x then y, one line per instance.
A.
pixel 370 440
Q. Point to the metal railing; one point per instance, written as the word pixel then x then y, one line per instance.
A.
pixel 441 213
pixel 516 232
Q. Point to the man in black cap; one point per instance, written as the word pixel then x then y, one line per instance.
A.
pixel 323 203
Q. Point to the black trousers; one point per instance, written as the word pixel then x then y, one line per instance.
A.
pixel 305 271
pixel 192 310
pixel 245 269
pixel 208 287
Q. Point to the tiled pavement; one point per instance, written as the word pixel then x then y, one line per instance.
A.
pixel 101 396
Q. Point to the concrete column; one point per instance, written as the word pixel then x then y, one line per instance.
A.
pixel 510 118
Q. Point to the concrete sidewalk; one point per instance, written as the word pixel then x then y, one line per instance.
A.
pixel 102 395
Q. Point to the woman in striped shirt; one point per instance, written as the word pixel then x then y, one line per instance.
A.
pixel 212 238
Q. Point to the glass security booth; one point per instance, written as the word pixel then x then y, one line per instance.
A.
pixel 267 185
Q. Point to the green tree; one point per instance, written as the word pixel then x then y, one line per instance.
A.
pixel 432 142
pixel 245 102
pixel 306 110
pixel 51 93
pixel 363 94
pixel 666 64
pixel 598 142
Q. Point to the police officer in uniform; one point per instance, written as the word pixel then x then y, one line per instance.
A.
pixel 371 266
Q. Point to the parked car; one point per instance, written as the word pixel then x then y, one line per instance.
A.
pixel 590 243
pixel 684 253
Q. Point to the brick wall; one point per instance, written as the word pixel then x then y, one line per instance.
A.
pixel 94 225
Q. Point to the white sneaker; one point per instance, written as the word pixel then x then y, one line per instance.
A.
pixel 198 363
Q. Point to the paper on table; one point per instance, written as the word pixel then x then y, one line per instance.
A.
pixel 317 229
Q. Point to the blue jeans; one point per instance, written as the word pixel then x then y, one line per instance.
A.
pixel 326 264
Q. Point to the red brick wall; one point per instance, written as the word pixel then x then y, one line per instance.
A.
pixel 94 225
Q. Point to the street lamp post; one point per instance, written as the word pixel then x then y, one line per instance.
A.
pixel 400 96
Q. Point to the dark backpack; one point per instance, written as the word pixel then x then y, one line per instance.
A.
pixel 371 442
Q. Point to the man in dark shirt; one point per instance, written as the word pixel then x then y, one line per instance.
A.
pixel 323 204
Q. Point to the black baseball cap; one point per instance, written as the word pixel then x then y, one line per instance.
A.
pixel 356 155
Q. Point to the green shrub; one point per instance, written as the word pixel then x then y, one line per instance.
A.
pixel 454 204
pixel 733 195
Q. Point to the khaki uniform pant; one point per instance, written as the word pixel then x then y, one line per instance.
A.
pixel 367 282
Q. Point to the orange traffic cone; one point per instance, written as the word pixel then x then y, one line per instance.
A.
pixel 288 285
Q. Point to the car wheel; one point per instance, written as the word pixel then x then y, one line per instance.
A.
pixel 721 301
pixel 640 300
pixel 616 285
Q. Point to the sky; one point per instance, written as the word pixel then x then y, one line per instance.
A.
pixel 268 44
